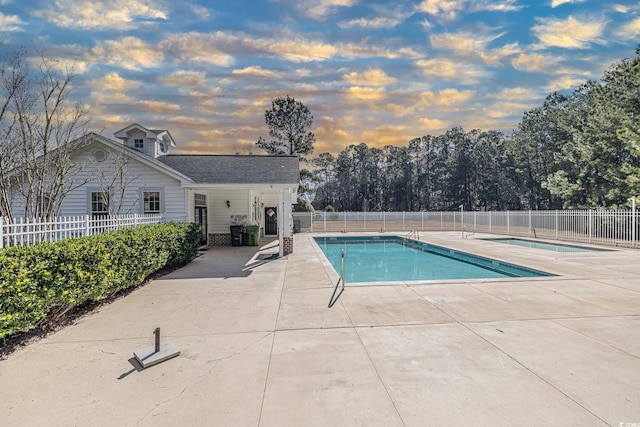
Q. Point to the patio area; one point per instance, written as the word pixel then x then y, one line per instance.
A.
pixel 260 347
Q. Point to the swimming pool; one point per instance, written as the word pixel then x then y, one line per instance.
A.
pixel 556 247
pixel 391 258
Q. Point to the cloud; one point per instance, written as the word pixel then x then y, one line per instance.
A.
pixel 113 82
pixel 102 14
pixel 217 48
pixel 158 107
pixel 446 97
pixel 571 33
pixel 130 53
pixel 10 23
pixel 373 77
pixel 432 124
pixel 564 82
pixel 556 3
pixel 199 11
pixel 496 6
pixel 181 78
pixel 387 135
pixel 320 9
pixel 630 30
pixel 366 93
pixel 446 69
pixel 535 62
pixel 378 22
pixel 501 110
pixel 517 93
pixel 448 9
pixel 443 8
pixel 465 44
pixel 196 47
pixel 255 70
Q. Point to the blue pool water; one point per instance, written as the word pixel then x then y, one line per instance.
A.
pixel 389 258
pixel 556 247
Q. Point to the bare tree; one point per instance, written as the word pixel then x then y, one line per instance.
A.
pixel 115 178
pixel 40 127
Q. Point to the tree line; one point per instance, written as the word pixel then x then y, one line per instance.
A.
pixel 575 151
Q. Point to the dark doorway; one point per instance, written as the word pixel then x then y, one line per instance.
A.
pixel 201 220
pixel 270 221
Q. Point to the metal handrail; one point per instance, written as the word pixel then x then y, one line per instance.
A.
pixel 415 233
pixel 334 297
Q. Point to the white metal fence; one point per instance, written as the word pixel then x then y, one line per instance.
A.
pixel 23 232
pixel 599 227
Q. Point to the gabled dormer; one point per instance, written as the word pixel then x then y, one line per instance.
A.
pixel 152 142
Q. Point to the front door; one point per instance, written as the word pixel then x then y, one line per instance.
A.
pixel 201 220
pixel 270 221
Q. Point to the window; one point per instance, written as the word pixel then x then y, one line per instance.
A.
pixel 151 202
pixel 200 199
pixel 99 203
pixel 138 143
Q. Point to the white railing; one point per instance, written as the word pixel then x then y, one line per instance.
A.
pixel 23 232
pixel 599 227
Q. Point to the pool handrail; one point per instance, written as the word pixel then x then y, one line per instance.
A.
pixel 335 297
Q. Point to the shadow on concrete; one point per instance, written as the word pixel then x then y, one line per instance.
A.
pixel 137 367
pixel 227 261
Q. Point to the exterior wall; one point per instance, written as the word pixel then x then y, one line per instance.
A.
pixel 138 177
pixel 219 215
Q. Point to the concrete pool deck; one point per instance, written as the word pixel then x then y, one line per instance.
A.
pixel 259 347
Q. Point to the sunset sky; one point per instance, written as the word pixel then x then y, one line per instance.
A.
pixel 378 72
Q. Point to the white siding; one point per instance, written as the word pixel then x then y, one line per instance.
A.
pixel 219 215
pixel 138 177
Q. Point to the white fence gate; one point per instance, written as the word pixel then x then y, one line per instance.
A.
pixel 600 227
pixel 23 232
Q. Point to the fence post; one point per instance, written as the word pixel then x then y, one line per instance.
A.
pixel 589 225
pixel 508 224
pixel 384 221
pixel 422 220
pixel 556 227
pixel 1 232
pixel 633 223
pixel 402 220
pixel 87 225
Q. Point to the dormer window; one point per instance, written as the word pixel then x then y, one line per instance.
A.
pixel 163 148
pixel 138 143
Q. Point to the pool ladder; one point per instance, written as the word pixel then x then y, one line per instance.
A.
pixel 413 233
pixel 334 297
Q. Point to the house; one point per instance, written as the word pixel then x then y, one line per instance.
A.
pixel 136 173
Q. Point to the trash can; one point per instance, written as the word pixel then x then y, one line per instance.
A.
pixel 253 235
pixel 236 235
pixel 296 225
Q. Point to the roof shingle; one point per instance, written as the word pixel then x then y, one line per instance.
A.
pixel 235 169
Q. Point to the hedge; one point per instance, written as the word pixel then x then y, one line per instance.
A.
pixel 43 282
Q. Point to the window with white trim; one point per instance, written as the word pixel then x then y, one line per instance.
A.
pixel 99 203
pixel 151 200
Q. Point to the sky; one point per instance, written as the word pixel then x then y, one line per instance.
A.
pixel 374 72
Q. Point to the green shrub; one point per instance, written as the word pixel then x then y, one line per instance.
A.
pixel 46 280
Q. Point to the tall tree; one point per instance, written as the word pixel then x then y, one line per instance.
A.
pixel 39 129
pixel 289 122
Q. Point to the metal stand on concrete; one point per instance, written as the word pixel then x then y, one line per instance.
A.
pixel 157 353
